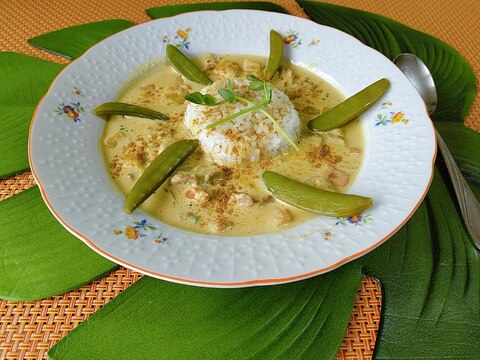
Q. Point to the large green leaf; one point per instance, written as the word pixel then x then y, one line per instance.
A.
pixel 453 76
pixel 154 319
pixel 430 269
pixel 430 274
pixel 39 258
pixel 166 11
pixel 464 144
pixel 23 82
pixel 73 41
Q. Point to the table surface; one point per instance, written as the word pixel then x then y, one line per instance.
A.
pixel 28 329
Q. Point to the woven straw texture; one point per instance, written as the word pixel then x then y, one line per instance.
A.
pixel 29 329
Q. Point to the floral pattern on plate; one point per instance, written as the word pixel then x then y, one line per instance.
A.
pixel 356 220
pixel 327 234
pixel 71 110
pixel 180 39
pixel 390 118
pixel 140 229
pixel 292 39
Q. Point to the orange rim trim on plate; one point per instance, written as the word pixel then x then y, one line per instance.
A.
pixel 206 283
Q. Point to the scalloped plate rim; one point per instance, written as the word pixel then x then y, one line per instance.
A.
pixel 249 281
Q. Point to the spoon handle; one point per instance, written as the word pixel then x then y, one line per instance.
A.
pixel 469 205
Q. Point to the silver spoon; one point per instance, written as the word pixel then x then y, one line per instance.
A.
pixel 419 75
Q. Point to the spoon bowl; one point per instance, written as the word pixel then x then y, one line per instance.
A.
pixel 419 75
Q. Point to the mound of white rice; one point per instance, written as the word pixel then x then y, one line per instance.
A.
pixel 248 137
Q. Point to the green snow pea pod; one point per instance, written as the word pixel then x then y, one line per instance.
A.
pixel 276 53
pixel 185 66
pixel 312 199
pixel 158 171
pixel 118 108
pixel 350 108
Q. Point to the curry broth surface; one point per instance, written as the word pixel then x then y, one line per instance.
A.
pixel 328 160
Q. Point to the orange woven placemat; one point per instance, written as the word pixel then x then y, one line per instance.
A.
pixel 29 329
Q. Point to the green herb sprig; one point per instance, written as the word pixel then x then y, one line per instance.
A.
pixel 255 82
pixel 230 96
pixel 201 99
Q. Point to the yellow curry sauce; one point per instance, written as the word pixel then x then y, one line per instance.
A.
pixel 205 197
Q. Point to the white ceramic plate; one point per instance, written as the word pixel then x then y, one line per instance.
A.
pixel 68 166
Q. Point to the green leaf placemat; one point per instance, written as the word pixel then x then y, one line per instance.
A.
pixel 23 82
pixel 430 275
pixel 39 257
pixel 464 144
pixel 429 270
pixel 431 283
pixel 453 76
pixel 73 41
pixel 154 319
pixel 166 11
